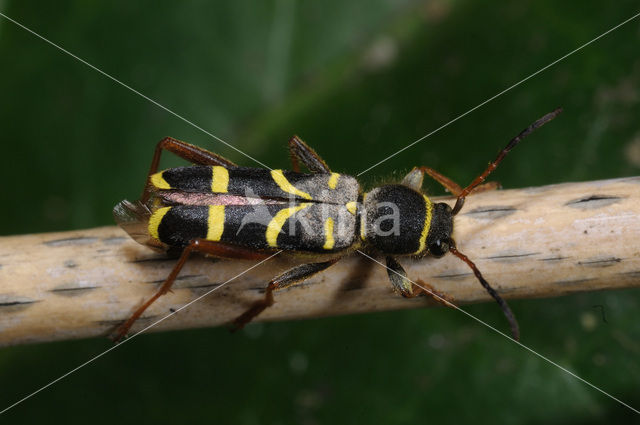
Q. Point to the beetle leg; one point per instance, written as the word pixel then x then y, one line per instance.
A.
pixel 186 151
pixel 402 285
pixel 486 187
pixel 415 177
pixel 191 153
pixel 302 152
pixel 289 278
pixel 204 246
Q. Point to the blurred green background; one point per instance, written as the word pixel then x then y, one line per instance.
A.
pixel 358 81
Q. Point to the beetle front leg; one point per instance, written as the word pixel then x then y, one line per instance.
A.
pixel 287 279
pixel 416 176
pixel 405 287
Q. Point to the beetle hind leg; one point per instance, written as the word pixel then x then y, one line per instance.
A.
pixel 189 152
pixel 287 279
pixel 186 151
pixel 216 249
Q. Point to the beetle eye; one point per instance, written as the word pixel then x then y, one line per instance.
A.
pixel 439 247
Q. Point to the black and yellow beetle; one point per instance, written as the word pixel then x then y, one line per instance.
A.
pixel 223 210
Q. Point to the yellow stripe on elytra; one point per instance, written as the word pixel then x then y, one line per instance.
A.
pixel 215 222
pixel 427 225
pixel 333 180
pixel 362 221
pixel 219 179
pixel 275 225
pixel 329 242
pixel 155 220
pixel 351 207
pixel 158 181
pixel 284 184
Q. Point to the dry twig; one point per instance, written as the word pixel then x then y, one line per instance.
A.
pixel 535 242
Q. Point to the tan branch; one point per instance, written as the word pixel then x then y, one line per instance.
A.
pixel 536 242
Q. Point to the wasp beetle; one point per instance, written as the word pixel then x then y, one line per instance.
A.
pixel 222 210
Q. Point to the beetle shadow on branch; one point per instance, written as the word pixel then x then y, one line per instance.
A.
pixel 355 281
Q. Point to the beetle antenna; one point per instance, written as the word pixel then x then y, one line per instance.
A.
pixel 492 166
pixel 515 330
